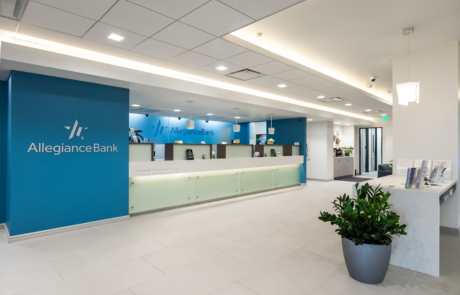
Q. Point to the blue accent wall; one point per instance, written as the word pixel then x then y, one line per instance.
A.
pixel 288 131
pixel 3 121
pixel 160 130
pixel 46 190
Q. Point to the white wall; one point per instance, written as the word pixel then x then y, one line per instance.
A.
pixel 430 130
pixel 256 128
pixel 319 139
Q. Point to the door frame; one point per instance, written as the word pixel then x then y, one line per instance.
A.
pixel 368 151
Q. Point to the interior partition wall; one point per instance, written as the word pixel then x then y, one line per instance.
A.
pixel 370 149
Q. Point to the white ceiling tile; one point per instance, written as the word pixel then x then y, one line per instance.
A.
pixel 313 94
pixel 172 8
pixel 220 49
pixel 145 59
pixel 100 32
pixel 258 9
pixel 248 59
pixel 135 18
pixel 183 36
pixel 292 74
pixel 41 33
pixel 8 24
pixel 158 49
pixel 289 86
pixel 295 90
pixel 193 59
pixel 265 80
pixel 216 18
pixel 230 68
pixel 93 9
pixel 272 68
pixel 98 47
pixel 54 19
pixel 308 80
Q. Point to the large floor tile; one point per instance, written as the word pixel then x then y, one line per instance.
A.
pixel 423 284
pixel 77 234
pixel 170 259
pixel 233 289
pixel 329 246
pixel 125 292
pixel 28 277
pixel 183 219
pixel 240 217
pixel 105 256
pixel 252 231
pixel 133 227
pixel 311 229
pixel 200 278
pixel 267 249
pixel 186 234
pixel 293 216
pixel 105 281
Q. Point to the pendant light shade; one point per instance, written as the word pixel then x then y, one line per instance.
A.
pixel 190 124
pixel 271 130
pixel 236 127
pixel 408 91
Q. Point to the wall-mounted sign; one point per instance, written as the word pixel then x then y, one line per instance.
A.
pixel 384 118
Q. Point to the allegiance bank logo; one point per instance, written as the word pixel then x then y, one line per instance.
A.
pixel 76 131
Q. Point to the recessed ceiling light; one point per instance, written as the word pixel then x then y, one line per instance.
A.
pixel 177 110
pixel 135 105
pixel 115 37
pixel 309 119
pixel 383 114
pixel 237 117
pixel 347 124
pixel 321 96
pixel 368 110
pixel 221 68
pixel 209 114
pixel 282 85
pixel 336 122
pixel 348 104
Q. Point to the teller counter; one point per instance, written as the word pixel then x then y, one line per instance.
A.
pixel 161 185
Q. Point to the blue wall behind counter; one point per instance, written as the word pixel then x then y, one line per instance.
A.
pixel 3 123
pixel 47 190
pixel 289 131
pixel 161 130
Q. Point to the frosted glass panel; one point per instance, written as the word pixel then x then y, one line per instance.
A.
pixel 140 152
pixel 252 181
pixel 286 176
pixel 198 151
pixel 296 150
pixel 159 152
pixel 239 151
pixel 268 148
pixel 155 192
pixel 216 186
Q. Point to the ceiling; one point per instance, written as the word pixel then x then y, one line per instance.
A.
pixel 186 35
pixel 355 39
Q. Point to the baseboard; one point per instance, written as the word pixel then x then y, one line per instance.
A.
pixel 49 232
pixel 452 231
pixel 216 200
pixel 303 184
pixel 2 225
pixel 316 179
pixel 342 177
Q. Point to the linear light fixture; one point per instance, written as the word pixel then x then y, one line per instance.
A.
pixel 135 105
pixel 129 64
pixel 116 37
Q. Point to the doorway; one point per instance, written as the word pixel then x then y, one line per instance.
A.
pixel 370 149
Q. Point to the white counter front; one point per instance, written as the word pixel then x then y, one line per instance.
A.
pixel 172 167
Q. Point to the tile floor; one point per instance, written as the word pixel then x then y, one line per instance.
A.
pixel 269 243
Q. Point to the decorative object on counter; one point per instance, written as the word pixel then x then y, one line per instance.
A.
pixel 204 157
pixel 223 142
pixel 236 141
pixel 203 142
pixel 136 137
pixel 271 130
pixel 278 154
pixel 213 155
pixel 179 142
pixel 189 154
pixel 273 152
pixel 367 227
pixel 256 154
pixel 348 150
pixel 270 141
pixel 410 178
pixel 265 154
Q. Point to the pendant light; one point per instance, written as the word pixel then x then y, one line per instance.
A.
pixel 236 127
pixel 271 130
pixel 190 124
pixel 408 91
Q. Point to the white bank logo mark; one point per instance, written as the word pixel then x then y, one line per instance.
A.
pixel 76 131
pixel 75 125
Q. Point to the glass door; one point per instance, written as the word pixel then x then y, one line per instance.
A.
pixel 370 149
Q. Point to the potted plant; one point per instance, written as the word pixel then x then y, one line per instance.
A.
pixel 367 227
pixel 348 150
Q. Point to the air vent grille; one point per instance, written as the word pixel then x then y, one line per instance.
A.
pixel 330 99
pixel 147 110
pixel 245 75
pixel 373 112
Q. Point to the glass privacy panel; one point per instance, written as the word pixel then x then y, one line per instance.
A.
pixel 277 148
pixel 296 150
pixel 239 151
pixel 210 187
pixel 258 180
pixel 287 176
pixel 140 152
pixel 198 151
pixel 155 192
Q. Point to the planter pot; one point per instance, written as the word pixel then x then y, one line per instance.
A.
pixel 366 263
pixel 347 155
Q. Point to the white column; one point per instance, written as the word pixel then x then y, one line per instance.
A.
pixel 319 139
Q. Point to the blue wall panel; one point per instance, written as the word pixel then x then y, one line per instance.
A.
pixel 288 131
pixel 47 190
pixel 3 121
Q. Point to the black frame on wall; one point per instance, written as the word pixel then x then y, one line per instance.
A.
pixel 367 150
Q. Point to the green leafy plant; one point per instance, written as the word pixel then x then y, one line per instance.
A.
pixel 348 150
pixel 366 219
pixel 391 164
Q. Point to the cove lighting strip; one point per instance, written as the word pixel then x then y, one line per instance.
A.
pixel 125 63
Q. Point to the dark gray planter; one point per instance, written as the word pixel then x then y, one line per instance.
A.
pixel 366 263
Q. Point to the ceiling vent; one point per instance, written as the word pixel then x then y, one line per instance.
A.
pixel 12 8
pixel 147 110
pixel 245 75
pixel 211 117
pixel 330 99
pixel 373 112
